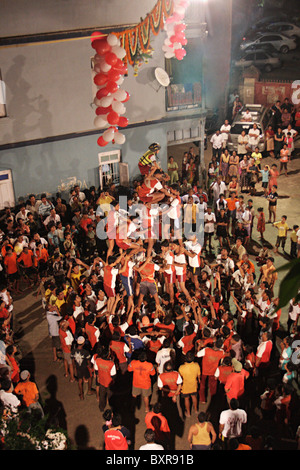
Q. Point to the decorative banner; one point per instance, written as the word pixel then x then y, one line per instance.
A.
pixel 110 98
pixel 136 41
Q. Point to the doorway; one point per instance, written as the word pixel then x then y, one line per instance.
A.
pixel 7 196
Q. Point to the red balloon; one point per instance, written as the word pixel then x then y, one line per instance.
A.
pixel 113 75
pixel 102 47
pixel 173 39
pixel 179 28
pixel 101 141
pixel 102 110
pixel 127 97
pixel 180 53
pixel 96 35
pixel 123 121
pixel 111 86
pixel 110 58
pixel 119 63
pixel 102 93
pixel 113 118
pixel 100 79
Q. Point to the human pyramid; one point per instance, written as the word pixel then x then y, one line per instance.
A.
pixel 131 295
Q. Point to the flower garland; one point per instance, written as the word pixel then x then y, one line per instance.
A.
pixel 137 40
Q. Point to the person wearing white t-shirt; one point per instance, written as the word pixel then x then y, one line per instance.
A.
pixel 217 144
pixel 209 227
pixel 225 130
pixel 9 400
pixel 217 188
pixel 246 115
pixel 231 421
pixel 193 251
pixel 253 137
pixel 150 438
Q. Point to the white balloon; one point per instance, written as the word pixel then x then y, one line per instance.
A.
pixel 97 58
pixel 112 40
pixel 108 135
pixel 119 51
pixel 106 101
pixel 120 81
pixel 177 45
pixel 119 138
pixel 179 9
pixel 97 67
pixel 120 95
pixel 105 67
pixel 169 55
pixel 100 122
pixel 118 107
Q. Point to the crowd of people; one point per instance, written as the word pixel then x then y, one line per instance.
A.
pixel 164 293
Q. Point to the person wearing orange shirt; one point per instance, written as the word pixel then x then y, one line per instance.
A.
pixel 29 392
pixel 12 270
pixel 235 383
pixel 26 260
pixel 210 361
pixel 105 372
pixel 141 381
pixel 231 210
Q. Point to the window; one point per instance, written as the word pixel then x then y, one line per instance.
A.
pixel 3 112
pixel 185 90
pixel 250 57
pixel 261 56
pixel 109 167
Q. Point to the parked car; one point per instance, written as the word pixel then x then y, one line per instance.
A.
pixel 260 59
pixel 282 43
pixel 289 29
pixel 261 115
pixel 267 47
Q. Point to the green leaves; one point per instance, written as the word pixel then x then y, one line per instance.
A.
pixel 290 284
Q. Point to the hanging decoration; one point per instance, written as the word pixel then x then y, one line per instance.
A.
pixel 136 41
pixel 140 58
pixel 131 46
pixel 109 69
pixel 175 27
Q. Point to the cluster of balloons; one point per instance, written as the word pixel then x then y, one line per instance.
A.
pixel 109 71
pixel 175 27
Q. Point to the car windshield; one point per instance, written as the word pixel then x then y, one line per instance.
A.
pixel 239 127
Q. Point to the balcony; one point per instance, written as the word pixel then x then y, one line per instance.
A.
pixel 183 96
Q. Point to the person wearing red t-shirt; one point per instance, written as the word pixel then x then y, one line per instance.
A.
pixel 224 370
pixel 210 360
pixel 263 354
pixel 147 285
pixel 187 342
pixel 235 383
pixel 105 372
pixel 156 421
pixel 110 273
pixel 92 331
pixel 116 437
pixel 119 349
pixel 141 381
